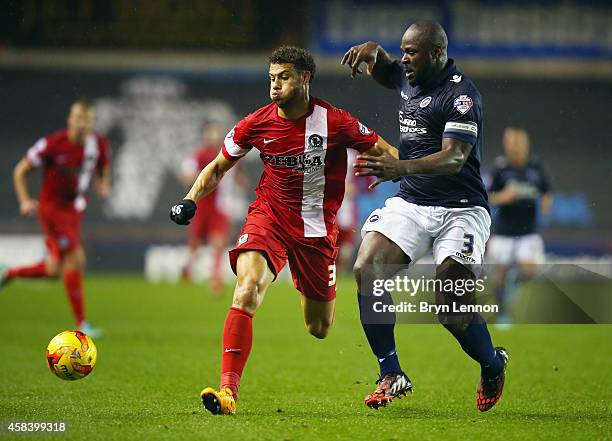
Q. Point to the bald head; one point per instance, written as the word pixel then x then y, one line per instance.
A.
pixel 424 47
pixel 429 32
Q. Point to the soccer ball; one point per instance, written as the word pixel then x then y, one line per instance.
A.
pixel 71 355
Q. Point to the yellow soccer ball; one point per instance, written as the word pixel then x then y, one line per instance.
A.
pixel 71 355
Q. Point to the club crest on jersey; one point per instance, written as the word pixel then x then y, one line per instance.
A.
pixel 242 239
pixel 374 218
pixel 315 142
pixel 364 130
pixel 63 242
pixel 463 103
pixel 425 102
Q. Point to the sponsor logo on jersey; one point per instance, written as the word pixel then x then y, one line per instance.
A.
pixel 463 103
pixel 456 79
pixel 364 130
pixel 465 257
pixel 305 163
pixel 408 125
pixel 425 102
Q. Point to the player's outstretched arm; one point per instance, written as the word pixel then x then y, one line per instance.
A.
pixel 103 182
pixel 546 203
pixel 379 62
pixel 449 160
pixel 205 183
pixel 382 147
pixel 503 197
pixel 27 205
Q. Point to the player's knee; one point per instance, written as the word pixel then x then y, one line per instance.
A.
pixel 319 329
pixel 527 271
pixel 248 294
pixel 52 268
pixel 363 268
pixel 75 260
pixel 357 270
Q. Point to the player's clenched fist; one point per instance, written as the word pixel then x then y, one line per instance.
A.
pixel 183 211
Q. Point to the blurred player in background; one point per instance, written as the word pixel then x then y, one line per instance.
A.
pixel 348 216
pixel 302 142
pixel 211 225
pixel 70 159
pixel 520 187
pixel 441 204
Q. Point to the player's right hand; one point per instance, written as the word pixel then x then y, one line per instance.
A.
pixel 183 211
pixel 507 196
pixel 29 207
pixel 361 53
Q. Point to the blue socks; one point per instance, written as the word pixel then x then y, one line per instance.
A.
pixel 475 340
pixel 380 333
pixel 379 329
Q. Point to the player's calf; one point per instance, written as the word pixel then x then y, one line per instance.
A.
pixel 318 316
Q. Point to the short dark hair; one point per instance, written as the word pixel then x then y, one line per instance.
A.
pixel 300 58
pixel 84 102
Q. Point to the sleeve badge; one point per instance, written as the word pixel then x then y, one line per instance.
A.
pixel 364 130
pixel 463 103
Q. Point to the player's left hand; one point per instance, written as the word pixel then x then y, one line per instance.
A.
pixel 102 189
pixel 385 167
pixel 183 211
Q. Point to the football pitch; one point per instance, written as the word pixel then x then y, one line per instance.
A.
pixel 163 346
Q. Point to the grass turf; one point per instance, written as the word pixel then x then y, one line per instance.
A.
pixel 163 346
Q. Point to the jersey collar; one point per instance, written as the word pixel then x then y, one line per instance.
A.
pixel 444 75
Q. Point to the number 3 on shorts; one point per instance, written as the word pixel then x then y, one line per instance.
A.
pixel 332 274
pixel 468 244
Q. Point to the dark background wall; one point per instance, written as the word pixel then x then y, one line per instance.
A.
pixel 567 120
pixel 541 65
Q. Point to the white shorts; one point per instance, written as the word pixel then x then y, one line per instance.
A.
pixel 460 233
pixel 506 250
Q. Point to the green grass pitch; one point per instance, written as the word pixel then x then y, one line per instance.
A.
pixel 163 346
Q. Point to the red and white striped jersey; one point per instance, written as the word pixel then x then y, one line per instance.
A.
pixel 305 163
pixel 68 168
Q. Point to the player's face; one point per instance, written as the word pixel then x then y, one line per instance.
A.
pixel 80 121
pixel 516 146
pixel 91 120
pixel 417 58
pixel 287 84
pixel 213 135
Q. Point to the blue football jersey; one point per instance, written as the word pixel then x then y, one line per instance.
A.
pixel 448 106
pixel 529 182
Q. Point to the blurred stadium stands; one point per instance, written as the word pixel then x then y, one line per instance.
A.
pixel 159 69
